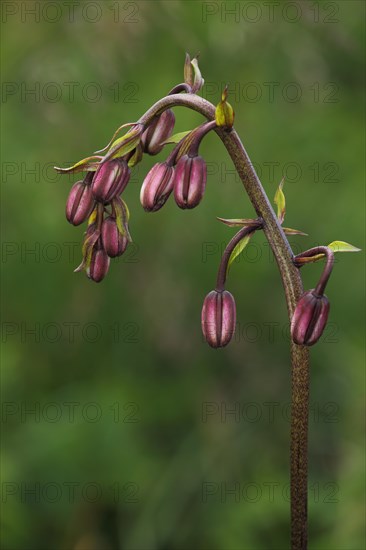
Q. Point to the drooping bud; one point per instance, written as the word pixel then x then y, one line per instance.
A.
pixel 310 318
pixel 159 130
pixel 218 318
pixel 110 179
pixel 114 243
pixel 80 203
pixel 157 187
pixel 189 181
pixel 99 263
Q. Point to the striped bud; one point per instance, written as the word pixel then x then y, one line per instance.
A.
pixel 157 187
pixel 189 181
pixel 218 318
pixel 99 263
pixel 310 318
pixel 159 130
pixel 80 203
pixel 114 243
pixel 110 179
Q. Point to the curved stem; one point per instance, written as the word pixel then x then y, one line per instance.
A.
pixel 183 87
pixel 316 251
pixel 244 232
pixel 198 135
pixel 292 283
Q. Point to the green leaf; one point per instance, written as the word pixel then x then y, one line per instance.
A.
pixel 341 246
pixel 115 135
pixel 84 165
pixel 289 231
pixel 238 249
pixel 176 138
pixel 238 222
pixel 124 144
pixel 280 202
pixel 122 217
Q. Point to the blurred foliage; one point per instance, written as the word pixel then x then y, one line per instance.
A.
pixel 136 368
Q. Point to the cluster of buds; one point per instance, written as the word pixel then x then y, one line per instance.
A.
pixel 96 199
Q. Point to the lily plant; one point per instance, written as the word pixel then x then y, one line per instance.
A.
pixel 97 200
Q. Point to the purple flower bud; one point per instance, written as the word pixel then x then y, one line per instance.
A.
pixel 157 187
pixel 218 318
pixel 99 263
pixel 309 318
pixel 159 130
pixel 189 181
pixel 80 203
pixel 114 242
pixel 110 179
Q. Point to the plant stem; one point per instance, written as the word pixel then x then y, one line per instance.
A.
pixel 243 232
pixel 292 283
pixel 319 251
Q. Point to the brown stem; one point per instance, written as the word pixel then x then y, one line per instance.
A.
pixel 292 283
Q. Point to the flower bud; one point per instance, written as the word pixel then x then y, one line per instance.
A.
pixel 159 130
pixel 309 319
pixel 114 243
pixel 157 187
pixel 218 318
pixel 110 179
pixel 80 203
pixel 99 263
pixel 189 181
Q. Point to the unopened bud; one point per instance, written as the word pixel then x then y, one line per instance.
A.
pixel 110 179
pixel 99 263
pixel 80 203
pixel 157 187
pixel 189 181
pixel 159 130
pixel 114 243
pixel 218 318
pixel 224 113
pixel 310 318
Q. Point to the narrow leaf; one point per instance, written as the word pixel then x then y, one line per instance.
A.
pixel 124 144
pixel 176 138
pixel 341 246
pixel 280 202
pixel 115 135
pixel 122 217
pixel 289 231
pixel 238 222
pixel 84 165
pixel 238 249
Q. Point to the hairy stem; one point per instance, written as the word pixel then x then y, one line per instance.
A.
pixel 292 283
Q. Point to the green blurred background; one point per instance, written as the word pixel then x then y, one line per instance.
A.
pixel 117 430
